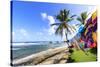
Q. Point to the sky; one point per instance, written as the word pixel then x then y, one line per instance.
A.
pixel 31 20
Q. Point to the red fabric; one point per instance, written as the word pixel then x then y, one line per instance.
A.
pixel 81 40
pixel 93 45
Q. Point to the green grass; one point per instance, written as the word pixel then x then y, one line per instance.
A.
pixel 80 56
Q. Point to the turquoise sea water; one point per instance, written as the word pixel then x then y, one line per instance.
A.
pixel 20 50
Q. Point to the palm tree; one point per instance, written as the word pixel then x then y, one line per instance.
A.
pixel 63 25
pixel 82 18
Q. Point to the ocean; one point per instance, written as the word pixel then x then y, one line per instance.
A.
pixel 20 50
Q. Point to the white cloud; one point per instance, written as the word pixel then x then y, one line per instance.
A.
pixel 23 32
pixel 51 30
pixel 48 17
pixel 44 15
pixel 51 20
pixel 20 35
pixel 39 33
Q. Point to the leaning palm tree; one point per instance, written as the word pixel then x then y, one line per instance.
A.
pixel 82 18
pixel 63 25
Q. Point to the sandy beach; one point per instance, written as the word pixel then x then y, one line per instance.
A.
pixel 50 56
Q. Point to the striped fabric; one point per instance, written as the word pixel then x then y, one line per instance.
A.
pixel 94 15
pixel 90 33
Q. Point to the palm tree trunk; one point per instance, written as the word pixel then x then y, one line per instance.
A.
pixel 65 37
pixel 67 40
pixel 76 43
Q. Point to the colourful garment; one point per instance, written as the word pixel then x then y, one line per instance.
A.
pixel 94 44
pixel 94 16
pixel 82 44
pixel 94 36
pixel 88 32
pixel 90 35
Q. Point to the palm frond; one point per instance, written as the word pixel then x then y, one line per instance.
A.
pixel 55 24
pixel 78 25
pixel 80 19
pixel 84 15
pixel 67 13
pixel 72 16
pixel 58 17
pixel 59 30
pixel 65 16
pixel 71 29
pixel 68 30
pixel 69 19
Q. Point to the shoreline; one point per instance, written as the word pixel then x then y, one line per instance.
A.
pixel 37 58
pixel 28 50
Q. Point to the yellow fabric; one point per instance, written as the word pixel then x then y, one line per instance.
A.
pixel 86 32
pixel 90 25
pixel 94 15
pixel 94 36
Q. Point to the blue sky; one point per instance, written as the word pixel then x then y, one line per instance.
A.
pixel 31 20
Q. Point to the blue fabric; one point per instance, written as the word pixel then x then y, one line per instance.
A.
pixel 81 29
